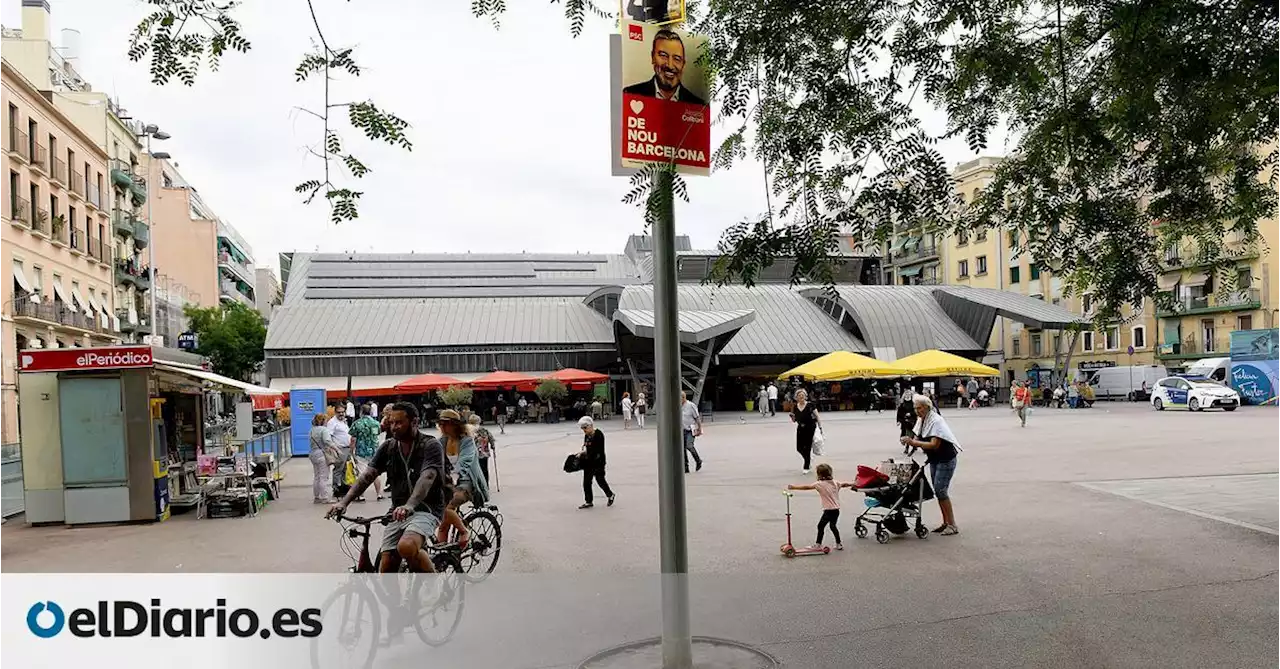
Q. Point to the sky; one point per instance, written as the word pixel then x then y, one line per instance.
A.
pixel 510 128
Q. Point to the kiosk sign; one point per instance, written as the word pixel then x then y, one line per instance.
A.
pixel 77 359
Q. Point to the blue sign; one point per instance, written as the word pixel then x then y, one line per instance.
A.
pixel 1256 380
pixel 188 341
pixel 304 404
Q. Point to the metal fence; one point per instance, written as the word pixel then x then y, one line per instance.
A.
pixel 11 480
pixel 278 442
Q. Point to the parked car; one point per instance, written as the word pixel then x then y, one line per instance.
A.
pixel 1127 382
pixel 1194 394
pixel 1215 369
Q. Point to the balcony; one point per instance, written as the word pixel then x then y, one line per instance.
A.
pixel 77 184
pixel 54 313
pixel 121 174
pixel 916 253
pixel 20 211
pixel 235 267
pixel 19 144
pixel 1239 300
pixel 93 196
pixel 129 273
pixel 138 189
pixel 40 220
pixel 59 174
pixel 141 327
pixel 123 224
pixel 39 157
pixel 97 250
pixel 1194 348
pixel 141 234
pixel 229 290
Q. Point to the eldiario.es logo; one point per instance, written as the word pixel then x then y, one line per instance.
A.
pixel 124 618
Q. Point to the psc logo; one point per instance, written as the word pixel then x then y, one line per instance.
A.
pixel 50 630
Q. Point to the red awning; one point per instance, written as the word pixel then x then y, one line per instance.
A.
pixel 576 377
pixel 424 383
pixel 267 402
pixel 502 380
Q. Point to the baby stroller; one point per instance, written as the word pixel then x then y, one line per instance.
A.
pixel 894 493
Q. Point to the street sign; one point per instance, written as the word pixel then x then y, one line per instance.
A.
pixel 74 359
pixel 1130 350
pixel 1089 365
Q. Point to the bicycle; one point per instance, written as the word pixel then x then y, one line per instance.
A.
pixel 480 557
pixel 432 603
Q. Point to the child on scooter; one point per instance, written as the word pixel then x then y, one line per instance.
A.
pixel 829 493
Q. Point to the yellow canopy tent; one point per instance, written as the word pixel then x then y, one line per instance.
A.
pixel 941 363
pixel 839 365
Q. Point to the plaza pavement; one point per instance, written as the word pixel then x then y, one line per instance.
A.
pixel 1108 537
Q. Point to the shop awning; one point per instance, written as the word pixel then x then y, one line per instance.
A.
pixel 1196 279
pixel 22 279
pixel 227 383
pixel 941 363
pixel 133 316
pixel 502 379
pixel 425 383
pixel 61 292
pixel 82 303
pixel 840 365
pixel 1168 281
pixel 115 322
pixel 336 386
pixel 911 271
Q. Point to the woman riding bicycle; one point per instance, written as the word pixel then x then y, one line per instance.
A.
pixel 456 437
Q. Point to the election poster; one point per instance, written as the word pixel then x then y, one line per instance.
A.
pixel 665 112
pixel 653 11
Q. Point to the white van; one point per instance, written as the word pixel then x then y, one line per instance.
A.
pixel 1115 383
pixel 1215 369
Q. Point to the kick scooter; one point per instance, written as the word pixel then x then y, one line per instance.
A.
pixel 788 549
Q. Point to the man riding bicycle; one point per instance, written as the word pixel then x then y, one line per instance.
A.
pixel 417 474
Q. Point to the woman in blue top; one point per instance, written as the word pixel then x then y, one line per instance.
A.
pixel 470 485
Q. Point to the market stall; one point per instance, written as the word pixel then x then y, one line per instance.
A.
pixel 115 434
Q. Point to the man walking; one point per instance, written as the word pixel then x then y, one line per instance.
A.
pixel 762 400
pixel 773 399
pixel 593 462
pixel 971 390
pixel 691 425
pixel 341 434
pixel 500 414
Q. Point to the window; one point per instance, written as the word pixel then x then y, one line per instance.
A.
pixel 35 202
pixel 1015 274
pixel 982 265
pixel 17 269
pixel 1017 344
pixel 981 236
pixel 1013 239
pixel 962 269
pixel 1035 271
pixel 71 225
pixel 87 176
pixel 1206 331
pixel 1139 336
pixel 1244 278
pixel 1036 345
pixel 15 184
pixel 1086 341
pixel 57 281
pixel 1244 322
pixel 13 124
pixel 1086 302
pixel 962 238
pixel 167 180
pixel 1112 338
pixel 1057 343
pixel 33 131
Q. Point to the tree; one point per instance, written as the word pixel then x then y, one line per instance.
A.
pixel 455 396
pixel 551 391
pixel 231 335
pixel 1134 124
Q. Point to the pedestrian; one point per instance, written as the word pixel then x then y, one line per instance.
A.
pixel 805 416
pixel 1021 400
pixel 323 456
pixel 485 444
pixel 593 462
pixel 340 428
pixel 773 399
pixel 365 434
pixel 829 494
pixel 627 407
pixel 642 407
pixel 522 409
pixel 691 427
pixel 1073 396
pixel 500 414
pixel 971 392
pixel 1059 395
pixel 984 398
pixel 597 409
pixel 876 398
pixel 762 402
pixel 906 418
pixel 941 448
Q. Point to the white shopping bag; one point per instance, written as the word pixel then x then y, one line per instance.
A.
pixel 818 442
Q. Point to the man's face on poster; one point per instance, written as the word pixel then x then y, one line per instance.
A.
pixel 668 63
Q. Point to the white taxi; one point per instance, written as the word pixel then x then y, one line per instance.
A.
pixel 1194 393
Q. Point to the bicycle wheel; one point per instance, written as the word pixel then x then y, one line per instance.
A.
pixel 352 620
pixel 481 556
pixel 439 599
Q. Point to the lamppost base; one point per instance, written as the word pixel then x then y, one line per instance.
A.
pixel 708 653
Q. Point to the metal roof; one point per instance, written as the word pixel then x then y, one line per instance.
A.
pixel 785 322
pixel 694 326
pixel 459 321
pixel 1027 310
pixel 896 321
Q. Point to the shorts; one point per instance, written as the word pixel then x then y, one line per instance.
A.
pixel 421 523
pixel 941 473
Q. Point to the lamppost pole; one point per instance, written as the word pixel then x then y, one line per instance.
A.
pixel 149 131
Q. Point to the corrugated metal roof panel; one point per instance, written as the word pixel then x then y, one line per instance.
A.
pixel 694 326
pixel 786 323
pixel 1028 310
pixel 391 323
pixel 896 321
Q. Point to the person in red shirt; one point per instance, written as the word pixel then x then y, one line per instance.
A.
pixel 1021 400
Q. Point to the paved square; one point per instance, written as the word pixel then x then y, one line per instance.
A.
pixel 1046 572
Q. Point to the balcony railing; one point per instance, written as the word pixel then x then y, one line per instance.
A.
pixel 917 252
pixel 130 273
pixel 20 211
pixel 143 326
pixel 1240 300
pixel 141 234
pixel 96 249
pixel 40 220
pixel 56 313
pixel 59 173
pixel 20 143
pixel 77 239
pixel 78 183
pixel 122 223
pixel 39 156
pixel 1196 346
pixel 225 258
pixel 121 173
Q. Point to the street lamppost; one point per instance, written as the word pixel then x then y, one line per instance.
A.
pixel 149 131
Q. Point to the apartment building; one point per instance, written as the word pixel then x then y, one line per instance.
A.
pixel 268 293
pixel 57 242
pixel 236 277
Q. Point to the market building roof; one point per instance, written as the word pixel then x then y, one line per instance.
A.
pixel 1029 311
pixel 895 321
pixel 694 326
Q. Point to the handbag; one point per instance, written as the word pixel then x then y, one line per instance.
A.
pixel 818 442
pixel 349 475
pixel 572 463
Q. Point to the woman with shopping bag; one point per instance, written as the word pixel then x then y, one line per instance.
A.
pixel 805 416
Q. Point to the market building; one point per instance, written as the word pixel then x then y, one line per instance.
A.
pixel 381 318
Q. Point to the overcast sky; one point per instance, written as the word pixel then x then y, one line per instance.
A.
pixel 510 128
